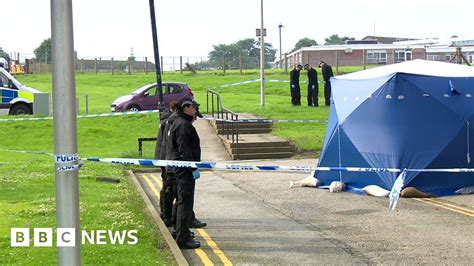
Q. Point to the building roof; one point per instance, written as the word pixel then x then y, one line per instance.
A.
pixel 386 40
pixel 418 67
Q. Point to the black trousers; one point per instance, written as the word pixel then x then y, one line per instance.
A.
pixel 327 93
pixel 312 94
pixel 185 184
pixel 295 94
pixel 167 195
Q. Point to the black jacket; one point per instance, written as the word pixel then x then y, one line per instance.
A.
pixel 184 140
pixel 312 76
pixel 294 76
pixel 162 142
pixel 327 72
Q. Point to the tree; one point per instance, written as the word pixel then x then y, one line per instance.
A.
pixel 335 39
pixel 4 54
pixel 248 49
pixel 305 42
pixel 43 52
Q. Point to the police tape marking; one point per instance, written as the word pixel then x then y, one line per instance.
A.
pixel 68 168
pixel 29 152
pixel 66 158
pixel 202 165
pixel 235 167
pixel 263 120
pixel 81 116
pixel 241 167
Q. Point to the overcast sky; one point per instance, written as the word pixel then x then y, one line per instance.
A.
pixel 104 28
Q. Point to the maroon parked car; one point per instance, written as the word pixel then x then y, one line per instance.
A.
pixel 146 97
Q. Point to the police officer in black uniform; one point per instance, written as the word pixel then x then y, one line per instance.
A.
pixel 167 193
pixel 326 70
pixel 185 146
pixel 295 85
pixel 312 85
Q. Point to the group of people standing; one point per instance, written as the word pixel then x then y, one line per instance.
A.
pixel 178 140
pixel 312 84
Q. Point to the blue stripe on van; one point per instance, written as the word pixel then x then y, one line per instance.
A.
pixel 8 95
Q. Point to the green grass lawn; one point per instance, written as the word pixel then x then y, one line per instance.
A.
pixel 27 191
pixel 27 196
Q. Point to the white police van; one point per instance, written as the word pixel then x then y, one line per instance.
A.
pixel 16 98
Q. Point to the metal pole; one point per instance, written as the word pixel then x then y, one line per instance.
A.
pixel 262 59
pixel 65 128
pixel 87 104
pixel 157 55
pixel 279 31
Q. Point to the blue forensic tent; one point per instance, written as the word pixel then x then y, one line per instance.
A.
pixel 417 114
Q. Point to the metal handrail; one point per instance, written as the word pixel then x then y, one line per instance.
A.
pixel 223 113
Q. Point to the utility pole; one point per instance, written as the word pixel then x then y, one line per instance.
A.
pixel 279 31
pixel 262 59
pixel 157 56
pixel 65 131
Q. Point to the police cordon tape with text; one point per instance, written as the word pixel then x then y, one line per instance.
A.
pixel 74 162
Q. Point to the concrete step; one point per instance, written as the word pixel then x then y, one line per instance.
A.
pixel 273 144
pixel 251 156
pixel 287 148
pixel 244 125
pixel 224 131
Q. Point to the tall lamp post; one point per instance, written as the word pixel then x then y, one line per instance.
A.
pixel 262 59
pixel 157 56
pixel 279 32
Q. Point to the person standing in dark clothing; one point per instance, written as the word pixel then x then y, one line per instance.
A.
pixel 295 85
pixel 167 193
pixel 312 85
pixel 326 70
pixel 185 146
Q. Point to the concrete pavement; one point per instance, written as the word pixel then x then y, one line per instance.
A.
pixel 255 218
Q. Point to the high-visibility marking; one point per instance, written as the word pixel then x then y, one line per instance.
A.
pixel 150 185
pixel 452 205
pixel 214 247
pixel 199 251
pixel 448 206
pixel 203 256
pixel 158 181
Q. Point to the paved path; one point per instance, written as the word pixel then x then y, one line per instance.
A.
pixel 255 218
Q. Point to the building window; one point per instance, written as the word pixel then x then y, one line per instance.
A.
pixel 376 57
pixel 402 55
pixel 433 57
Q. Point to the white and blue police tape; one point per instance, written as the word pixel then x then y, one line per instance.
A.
pixel 397 189
pixel 235 84
pixel 67 162
pixel 202 165
pixel 254 81
pixel 66 158
pixel 81 116
pixel 263 120
pixel 28 152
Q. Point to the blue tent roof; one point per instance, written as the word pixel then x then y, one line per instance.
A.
pixel 415 115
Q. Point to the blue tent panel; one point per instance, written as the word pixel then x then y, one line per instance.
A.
pixel 401 120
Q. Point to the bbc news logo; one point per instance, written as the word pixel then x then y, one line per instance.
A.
pixel 66 237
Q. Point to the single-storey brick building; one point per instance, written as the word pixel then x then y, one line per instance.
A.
pixel 370 51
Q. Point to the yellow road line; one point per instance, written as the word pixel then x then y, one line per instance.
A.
pixel 451 205
pixel 446 206
pixel 214 247
pixel 151 186
pixel 203 256
pixel 199 252
pixel 157 180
